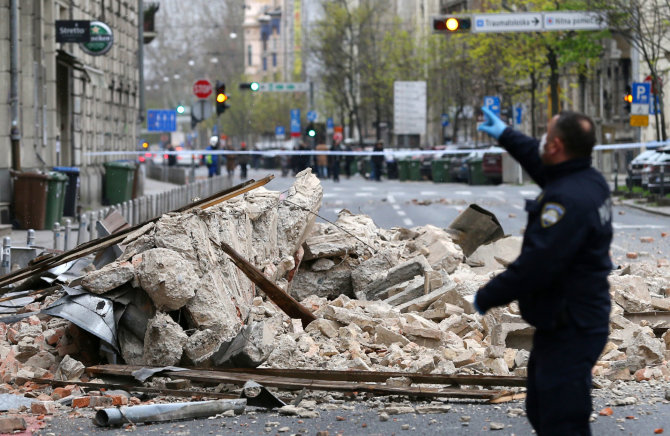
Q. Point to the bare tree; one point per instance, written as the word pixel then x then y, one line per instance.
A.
pixel 646 25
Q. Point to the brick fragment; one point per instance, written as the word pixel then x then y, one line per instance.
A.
pixel 118 400
pixel 101 402
pixel 59 393
pixel 52 336
pixel 646 239
pixel 9 424
pixel 631 255
pixel 43 407
pixel 80 402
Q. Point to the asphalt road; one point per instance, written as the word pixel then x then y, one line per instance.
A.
pixel 352 419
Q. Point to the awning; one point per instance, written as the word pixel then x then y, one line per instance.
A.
pixel 90 74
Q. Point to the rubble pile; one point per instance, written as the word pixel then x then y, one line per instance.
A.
pixel 385 300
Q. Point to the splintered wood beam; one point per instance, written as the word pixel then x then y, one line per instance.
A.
pixel 296 383
pixel 281 298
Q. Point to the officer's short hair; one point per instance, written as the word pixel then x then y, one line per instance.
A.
pixel 577 132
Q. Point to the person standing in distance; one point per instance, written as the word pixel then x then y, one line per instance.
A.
pixel 212 160
pixel 560 277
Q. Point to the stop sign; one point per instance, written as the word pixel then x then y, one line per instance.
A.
pixel 202 88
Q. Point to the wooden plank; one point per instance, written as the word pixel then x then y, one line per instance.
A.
pixel 135 388
pixel 295 383
pixel 107 241
pixel 382 376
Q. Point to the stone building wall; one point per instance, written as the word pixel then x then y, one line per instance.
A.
pixel 71 102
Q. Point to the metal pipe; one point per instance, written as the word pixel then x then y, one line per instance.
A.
pixel 31 238
pixel 56 230
pixel 68 229
pixel 83 234
pixel 6 255
pixel 166 412
pixel 15 132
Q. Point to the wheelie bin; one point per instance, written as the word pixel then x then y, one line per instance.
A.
pixel 119 177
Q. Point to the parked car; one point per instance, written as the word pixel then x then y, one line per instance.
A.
pixel 657 178
pixel 458 167
pixel 637 166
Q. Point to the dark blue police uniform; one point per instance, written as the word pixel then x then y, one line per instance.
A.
pixel 560 282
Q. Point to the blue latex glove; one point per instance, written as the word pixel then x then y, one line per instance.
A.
pixel 492 125
pixel 476 306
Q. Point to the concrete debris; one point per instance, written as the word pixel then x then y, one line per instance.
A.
pixel 165 276
pixel 495 255
pixel 109 277
pixel 164 341
pixel 69 369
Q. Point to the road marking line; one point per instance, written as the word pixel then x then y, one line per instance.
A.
pixel 428 193
pixel 397 207
pixel 495 193
pixel 329 195
pixel 529 193
pixel 339 189
pixel 637 226
pixel 339 202
pixel 369 188
pixel 463 192
pixel 402 213
pixel 391 198
pixel 363 194
pixel 408 222
pixel 516 206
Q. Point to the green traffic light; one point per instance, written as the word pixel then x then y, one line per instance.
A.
pixel 311 133
pixel 254 86
pixel 181 109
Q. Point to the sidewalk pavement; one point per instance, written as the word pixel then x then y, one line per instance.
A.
pixel 637 203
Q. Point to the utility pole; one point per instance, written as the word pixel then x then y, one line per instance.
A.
pixel 15 132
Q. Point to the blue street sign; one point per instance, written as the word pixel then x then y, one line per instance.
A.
pixel 492 103
pixel 295 121
pixel 641 92
pixel 653 104
pixel 280 131
pixel 162 120
pixel 312 116
pixel 330 124
pixel 518 112
pixel 445 120
pixel 215 130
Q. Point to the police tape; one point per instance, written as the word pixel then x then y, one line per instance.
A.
pixel 273 153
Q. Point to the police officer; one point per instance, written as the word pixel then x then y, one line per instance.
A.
pixel 212 160
pixel 560 278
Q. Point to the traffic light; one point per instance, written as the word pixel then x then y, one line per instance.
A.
pixel 145 144
pixel 252 86
pixel 452 24
pixel 627 100
pixel 180 108
pixel 311 130
pixel 221 98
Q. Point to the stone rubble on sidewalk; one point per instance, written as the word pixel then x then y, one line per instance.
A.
pixel 385 300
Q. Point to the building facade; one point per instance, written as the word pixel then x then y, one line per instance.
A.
pixel 70 102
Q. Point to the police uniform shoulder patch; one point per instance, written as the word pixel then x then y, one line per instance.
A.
pixel 551 214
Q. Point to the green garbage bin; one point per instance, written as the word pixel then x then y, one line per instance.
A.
pixel 353 166
pixel 119 178
pixel 56 185
pixel 415 170
pixel 440 169
pixel 403 170
pixel 476 173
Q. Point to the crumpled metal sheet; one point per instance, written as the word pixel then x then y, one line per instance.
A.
pixel 93 313
pixel 144 373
